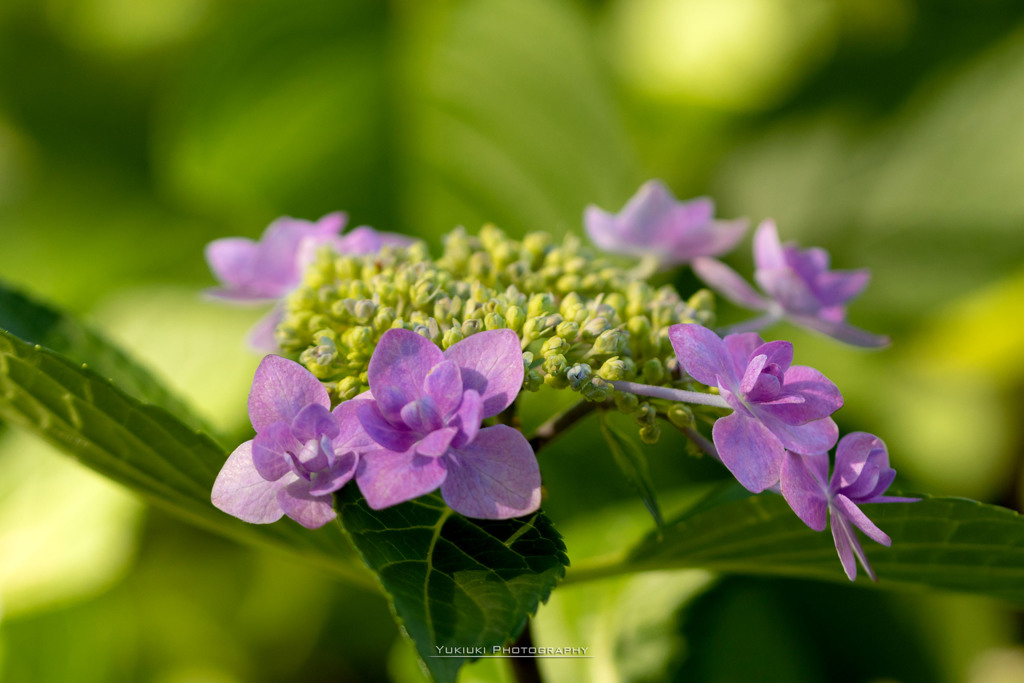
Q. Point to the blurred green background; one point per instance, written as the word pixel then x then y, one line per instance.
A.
pixel 132 133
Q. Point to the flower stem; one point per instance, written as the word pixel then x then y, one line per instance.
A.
pixel 558 424
pixel 525 669
pixel 671 394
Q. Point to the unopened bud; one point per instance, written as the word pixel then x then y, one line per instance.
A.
pixel 494 321
pixel 681 416
pixel 596 390
pixel 653 372
pixel 650 434
pixel 578 375
pixel 612 342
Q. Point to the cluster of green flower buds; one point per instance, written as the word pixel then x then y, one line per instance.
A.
pixel 582 321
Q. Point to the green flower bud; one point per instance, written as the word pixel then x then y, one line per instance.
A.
pixel 358 289
pixel 555 365
pixel 470 327
pixel 451 336
pixel 494 321
pixel 625 402
pixel 364 310
pixel 554 345
pixel 653 372
pixel 515 317
pixel 650 434
pixel 568 283
pixel 645 414
pixel 359 339
pixel 348 387
pixel 578 375
pixel 612 342
pixel 570 302
pixel 593 329
pixel 681 416
pixel 639 327
pixel 533 380
pixel 614 368
pixel 384 318
pixel 541 305
pixel 568 330
pixel 536 244
pixel 596 390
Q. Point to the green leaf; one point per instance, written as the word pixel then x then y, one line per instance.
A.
pixel 633 463
pixel 140 446
pixel 947 543
pixel 38 324
pixel 453 581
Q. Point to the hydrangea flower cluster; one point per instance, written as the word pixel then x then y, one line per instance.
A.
pixel 423 360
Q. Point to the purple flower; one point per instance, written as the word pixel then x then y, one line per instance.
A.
pixel 799 285
pixel 654 224
pixel 424 411
pixel 301 454
pixel 254 272
pixel 862 474
pixel 777 406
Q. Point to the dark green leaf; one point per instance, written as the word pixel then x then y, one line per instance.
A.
pixel 453 581
pixel 631 460
pixel 140 446
pixel 37 324
pixel 946 543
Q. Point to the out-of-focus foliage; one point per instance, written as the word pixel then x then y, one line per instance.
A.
pixel 890 132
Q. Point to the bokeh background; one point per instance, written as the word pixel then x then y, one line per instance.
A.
pixel 131 133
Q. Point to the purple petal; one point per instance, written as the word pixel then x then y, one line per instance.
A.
pixel 839 330
pixel 778 353
pixel 329 481
pixel 821 397
pixel 262 337
pixel 468 418
pixel 381 431
pixel 847 545
pixel 804 488
pixel 351 435
pixel 305 508
pixel 436 443
pixel 387 478
pixel 852 453
pixel 398 367
pixel 270 448
pixel 314 421
pixel 703 355
pixel 491 364
pixel 421 415
pixel 836 287
pixel 729 284
pixel 366 240
pixel 753 373
pixel 239 490
pixel 232 261
pixel 791 291
pixel 740 349
pixel 768 252
pixel 711 238
pixel 494 477
pixel 812 438
pixel 280 389
pixel 749 450
pixel 601 227
pixel 444 386
pixel 848 509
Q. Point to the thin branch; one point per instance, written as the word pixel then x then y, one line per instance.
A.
pixel 525 669
pixel 558 424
